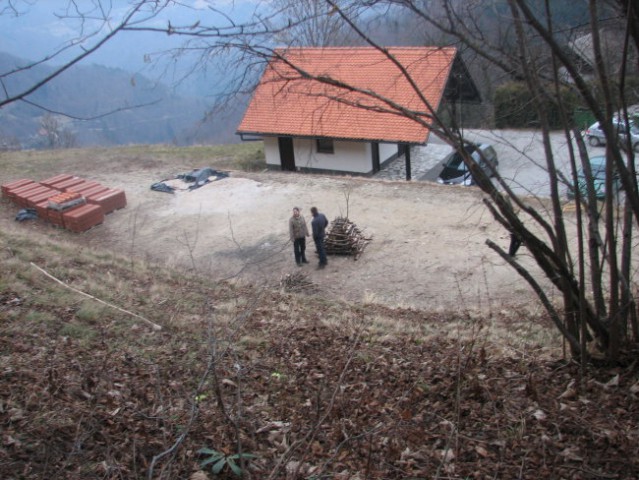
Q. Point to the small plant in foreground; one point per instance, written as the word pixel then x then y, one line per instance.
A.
pixel 220 460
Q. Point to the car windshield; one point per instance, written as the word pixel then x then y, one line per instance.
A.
pixel 455 160
pixel 598 168
pixel 596 174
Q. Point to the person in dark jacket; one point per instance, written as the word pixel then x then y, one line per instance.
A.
pixel 319 224
pixel 298 232
pixel 515 243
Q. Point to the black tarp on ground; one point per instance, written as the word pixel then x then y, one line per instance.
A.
pixel 26 214
pixel 196 178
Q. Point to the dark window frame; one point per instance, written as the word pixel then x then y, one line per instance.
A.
pixel 325 145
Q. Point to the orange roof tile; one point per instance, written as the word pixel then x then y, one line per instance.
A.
pixel 287 104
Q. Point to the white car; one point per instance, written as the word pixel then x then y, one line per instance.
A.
pixel 595 135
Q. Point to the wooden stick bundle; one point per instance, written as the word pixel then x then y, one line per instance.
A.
pixel 344 238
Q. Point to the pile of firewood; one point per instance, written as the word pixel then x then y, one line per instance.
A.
pixel 344 238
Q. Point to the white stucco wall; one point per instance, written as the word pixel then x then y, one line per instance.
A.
pixel 348 156
pixel 386 150
pixel 271 151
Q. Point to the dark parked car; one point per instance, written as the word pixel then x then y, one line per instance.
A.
pixel 595 135
pixel 598 168
pixel 456 172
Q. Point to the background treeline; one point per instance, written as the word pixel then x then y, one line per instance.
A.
pixel 513 106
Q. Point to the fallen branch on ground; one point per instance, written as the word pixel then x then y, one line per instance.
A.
pixel 155 326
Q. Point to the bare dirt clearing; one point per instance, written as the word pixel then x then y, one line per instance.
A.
pixel 427 251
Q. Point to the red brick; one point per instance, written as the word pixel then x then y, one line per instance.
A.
pixel 22 195
pixel 112 199
pixel 68 183
pixel 49 182
pixel 65 200
pixel 86 185
pixel 94 191
pixel 65 196
pixel 12 193
pixel 32 200
pixel 83 218
pixel 55 217
pixel 42 209
pixel 15 184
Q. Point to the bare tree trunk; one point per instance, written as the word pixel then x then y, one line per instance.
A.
pixel 559 246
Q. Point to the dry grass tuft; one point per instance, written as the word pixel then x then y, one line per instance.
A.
pixel 298 282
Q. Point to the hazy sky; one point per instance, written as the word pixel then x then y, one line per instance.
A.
pixel 38 29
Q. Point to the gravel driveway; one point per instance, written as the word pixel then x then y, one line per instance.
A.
pixel 521 159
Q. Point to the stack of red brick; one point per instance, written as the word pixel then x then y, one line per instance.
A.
pixel 66 201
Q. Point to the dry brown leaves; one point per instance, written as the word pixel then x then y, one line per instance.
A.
pixel 309 401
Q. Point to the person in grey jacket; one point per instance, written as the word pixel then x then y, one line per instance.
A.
pixel 319 224
pixel 298 231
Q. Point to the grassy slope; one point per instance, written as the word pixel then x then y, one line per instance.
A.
pixel 39 164
pixel 89 391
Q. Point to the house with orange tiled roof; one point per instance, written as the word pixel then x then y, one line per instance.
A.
pixel 351 109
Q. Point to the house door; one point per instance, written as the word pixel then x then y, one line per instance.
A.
pixel 287 155
pixel 375 157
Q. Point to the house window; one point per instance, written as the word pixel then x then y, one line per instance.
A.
pixel 325 145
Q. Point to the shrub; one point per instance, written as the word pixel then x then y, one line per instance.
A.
pixel 252 162
pixel 515 108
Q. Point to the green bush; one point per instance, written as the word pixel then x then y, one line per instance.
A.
pixel 630 94
pixel 252 161
pixel 515 107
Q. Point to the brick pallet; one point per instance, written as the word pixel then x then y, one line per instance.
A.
pixel 51 181
pixel 33 200
pixel 66 201
pixel 55 217
pixel 86 185
pixel 7 187
pixel 68 183
pixel 111 200
pixel 83 218
pixel 42 209
pixel 21 197
pixel 94 191
pixel 13 193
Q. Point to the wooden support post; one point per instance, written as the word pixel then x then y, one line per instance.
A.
pixel 407 154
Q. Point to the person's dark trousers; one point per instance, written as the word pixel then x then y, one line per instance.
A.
pixel 299 247
pixel 515 243
pixel 321 251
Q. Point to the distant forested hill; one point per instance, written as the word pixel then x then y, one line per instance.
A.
pixel 144 112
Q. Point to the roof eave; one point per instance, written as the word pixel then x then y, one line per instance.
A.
pixel 341 139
